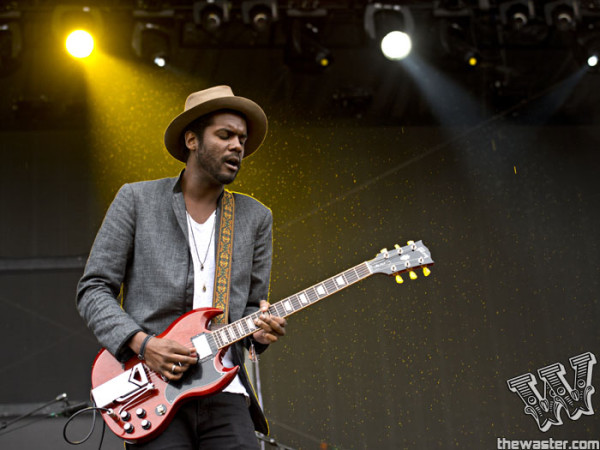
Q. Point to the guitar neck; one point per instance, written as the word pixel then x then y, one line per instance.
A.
pixel 238 330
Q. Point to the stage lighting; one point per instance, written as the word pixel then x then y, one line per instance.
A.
pixel 10 44
pixel 210 15
pixel 472 58
pixel 392 26
pixel 517 14
pixel 303 50
pixel 396 45
pixel 592 53
pixel 75 26
pixel 457 40
pixel 151 42
pixel 564 15
pixel 80 44
pixel 259 14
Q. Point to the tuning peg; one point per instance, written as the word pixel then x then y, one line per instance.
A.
pixel 426 271
pixel 399 279
pixel 410 242
pixel 412 275
pixel 398 249
pixel 383 250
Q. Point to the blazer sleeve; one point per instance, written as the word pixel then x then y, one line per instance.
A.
pixel 261 270
pixel 98 289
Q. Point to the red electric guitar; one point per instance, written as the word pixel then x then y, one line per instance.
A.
pixel 138 404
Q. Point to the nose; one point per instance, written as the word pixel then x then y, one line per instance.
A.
pixel 237 144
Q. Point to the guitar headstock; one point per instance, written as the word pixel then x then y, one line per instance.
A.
pixel 398 260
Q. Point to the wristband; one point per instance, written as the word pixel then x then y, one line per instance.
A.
pixel 143 347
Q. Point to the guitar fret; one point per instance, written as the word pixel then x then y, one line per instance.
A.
pixel 351 276
pixel 341 280
pixel 231 332
pixel 217 337
pixel 330 286
pixel 363 270
pixel 227 336
pixel 312 295
pixel 294 302
pixel 249 325
pixel 210 338
pixel 279 309
pixel 238 330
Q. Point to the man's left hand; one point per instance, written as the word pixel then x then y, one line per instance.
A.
pixel 271 327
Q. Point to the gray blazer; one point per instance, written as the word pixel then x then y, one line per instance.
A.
pixel 143 248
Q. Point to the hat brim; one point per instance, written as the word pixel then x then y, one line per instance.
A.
pixel 256 123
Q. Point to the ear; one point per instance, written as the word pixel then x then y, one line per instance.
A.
pixel 191 141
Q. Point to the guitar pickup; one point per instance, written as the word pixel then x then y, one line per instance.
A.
pixel 120 387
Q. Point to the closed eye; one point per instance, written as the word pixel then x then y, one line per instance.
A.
pixel 227 135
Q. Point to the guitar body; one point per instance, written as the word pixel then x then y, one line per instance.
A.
pixel 140 403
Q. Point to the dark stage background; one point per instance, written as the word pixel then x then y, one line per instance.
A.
pixel 506 199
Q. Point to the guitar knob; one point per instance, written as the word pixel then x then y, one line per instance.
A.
pixel 146 424
pixel 140 412
pixel 125 416
pixel 128 428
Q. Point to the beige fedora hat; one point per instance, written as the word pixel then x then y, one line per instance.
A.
pixel 210 100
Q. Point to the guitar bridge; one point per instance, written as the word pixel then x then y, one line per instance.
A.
pixel 130 383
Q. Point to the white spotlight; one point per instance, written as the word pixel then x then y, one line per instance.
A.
pixel 593 61
pixel 396 45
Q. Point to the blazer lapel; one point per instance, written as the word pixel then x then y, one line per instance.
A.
pixel 178 204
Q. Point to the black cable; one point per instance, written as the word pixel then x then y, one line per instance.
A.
pixel 26 424
pixel 94 409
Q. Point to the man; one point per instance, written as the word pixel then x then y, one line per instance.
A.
pixel 154 258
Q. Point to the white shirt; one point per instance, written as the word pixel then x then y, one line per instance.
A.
pixel 202 242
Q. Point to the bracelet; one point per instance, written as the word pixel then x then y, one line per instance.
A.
pixel 143 347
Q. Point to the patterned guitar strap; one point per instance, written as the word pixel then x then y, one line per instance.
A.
pixel 223 260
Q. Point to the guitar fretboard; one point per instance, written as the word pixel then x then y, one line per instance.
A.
pixel 239 329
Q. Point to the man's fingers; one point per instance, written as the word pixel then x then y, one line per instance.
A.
pixel 273 324
pixel 185 360
pixel 174 371
pixel 174 351
pixel 264 305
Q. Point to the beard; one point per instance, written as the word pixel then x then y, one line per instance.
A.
pixel 215 167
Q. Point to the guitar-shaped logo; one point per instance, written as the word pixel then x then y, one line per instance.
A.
pixel 137 403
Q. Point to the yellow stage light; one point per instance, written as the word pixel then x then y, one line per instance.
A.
pixel 80 44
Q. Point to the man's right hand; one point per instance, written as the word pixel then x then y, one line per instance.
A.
pixel 165 356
